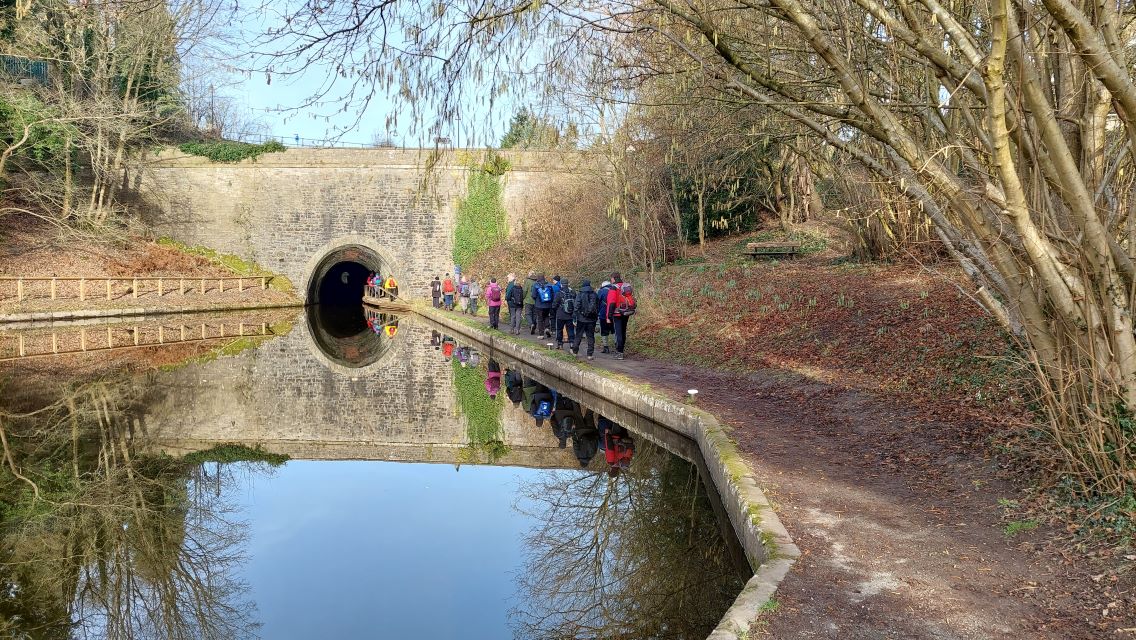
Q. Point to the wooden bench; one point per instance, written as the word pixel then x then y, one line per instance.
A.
pixel 772 249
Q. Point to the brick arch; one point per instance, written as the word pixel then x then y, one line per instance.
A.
pixel 352 248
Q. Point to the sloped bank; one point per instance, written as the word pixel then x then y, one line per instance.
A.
pixel 768 546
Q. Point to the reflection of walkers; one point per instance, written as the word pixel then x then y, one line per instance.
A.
pixel 617 444
pixel 448 292
pixel 585 440
pixel 436 292
pixel 543 404
pixel 448 347
pixel 564 419
pixel 435 339
pixel 514 387
pixel 493 379
pixel 587 311
pixel 493 299
pixel 515 298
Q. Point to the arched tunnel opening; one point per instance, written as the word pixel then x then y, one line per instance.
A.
pixel 336 312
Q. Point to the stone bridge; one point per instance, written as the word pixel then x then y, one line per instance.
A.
pixel 325 217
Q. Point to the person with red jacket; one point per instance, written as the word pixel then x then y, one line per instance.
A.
pixel 619 309
pixel 448 292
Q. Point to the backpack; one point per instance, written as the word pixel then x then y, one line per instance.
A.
pixel 493 293
pixel 516 295
pixel 588 306
pixel 436 289
pixel 626 304
pixel 465 290
pixel 568 301
pixel 544 292
pixel 543 409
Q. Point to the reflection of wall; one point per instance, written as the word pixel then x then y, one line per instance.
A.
pixel 284 397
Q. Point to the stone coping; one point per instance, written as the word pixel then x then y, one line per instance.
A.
pixel 768 546
pixel 46 317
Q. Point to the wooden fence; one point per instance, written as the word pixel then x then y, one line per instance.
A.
pixel 111 287
pixel 70 340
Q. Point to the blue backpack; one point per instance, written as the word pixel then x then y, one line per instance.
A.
pixel 544 409
pixel 544 292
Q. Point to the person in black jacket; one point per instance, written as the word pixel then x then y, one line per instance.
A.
pixel 588 307
pixel 436 292
pixel 565 310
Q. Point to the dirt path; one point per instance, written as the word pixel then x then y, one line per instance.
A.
pixel 898 521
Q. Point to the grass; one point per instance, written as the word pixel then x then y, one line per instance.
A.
pixel 234 263
pixel 1017 526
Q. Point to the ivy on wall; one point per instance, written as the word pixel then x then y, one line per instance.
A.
pixel 481 214
pixel 230 151
pixel 482 413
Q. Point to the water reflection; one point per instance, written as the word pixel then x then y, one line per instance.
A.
pixel 101 541
pixel 614 535
pixel 351 336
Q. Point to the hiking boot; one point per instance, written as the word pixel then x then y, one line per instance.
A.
pixel 619 356
pixel 591 357
pixel 605 349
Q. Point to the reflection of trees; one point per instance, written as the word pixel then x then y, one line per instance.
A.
pixel 100 540
pixel 638 556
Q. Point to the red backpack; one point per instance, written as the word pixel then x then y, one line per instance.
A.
pixel 625 304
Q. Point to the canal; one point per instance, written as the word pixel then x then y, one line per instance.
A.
pixel 331 473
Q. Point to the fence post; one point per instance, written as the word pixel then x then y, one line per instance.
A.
pixel 21 338
pixel 202 330
pixel 136 336
pixel 110 339
pixel 181 287
pixel 263 282
pixel 82 289
pixel 240 284
pixel 54 343
pixel 203 286
pixel 183 333
pixel 159 287
pixel 161 334
pixel 19 289
pixel 108 288
pixel 136 287
pixel 82 339
pixel 221 285
pixel 53 288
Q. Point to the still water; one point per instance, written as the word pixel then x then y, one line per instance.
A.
pixel 340 475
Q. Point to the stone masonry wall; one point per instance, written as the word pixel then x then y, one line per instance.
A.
pixel 288 210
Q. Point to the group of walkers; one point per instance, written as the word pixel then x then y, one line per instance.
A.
pixel 379 287
pixel 552 309
pixel 589 432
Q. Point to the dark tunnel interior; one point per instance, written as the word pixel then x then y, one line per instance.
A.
pixel 340 297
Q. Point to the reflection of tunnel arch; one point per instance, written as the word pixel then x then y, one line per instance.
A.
pixel 334 292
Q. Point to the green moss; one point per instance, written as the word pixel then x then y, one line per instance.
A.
pixel 482 413
pixel 233 263
pixel 230 151
pixel 480 217
pixel 226 453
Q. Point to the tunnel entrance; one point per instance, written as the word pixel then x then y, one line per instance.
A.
pixel 343 284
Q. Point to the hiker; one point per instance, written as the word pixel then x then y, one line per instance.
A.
pixel 494 298
pixel 463 294
pixel 448 347
pixel 617 444
pixel 620 308
pixel 493 379
pixel 564 304
pixel 543 404
pixel 448 292
pixel 587 311
pixel 543 296
pixel 436 292
pixel 474 295
pixel 555 284
pixel 530 303
pixel 565 417
pixel 585 439
pixel 515 298
pixel 391 287
pixel 606 328
pixel 514 386
pixel 435 338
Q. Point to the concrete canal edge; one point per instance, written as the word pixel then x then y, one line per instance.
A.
pixel 60 316
pixel 768 546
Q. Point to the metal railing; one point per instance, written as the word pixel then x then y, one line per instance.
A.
pixel 296 141
pixel 20 67
pixel 88 340
pixel 84 287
